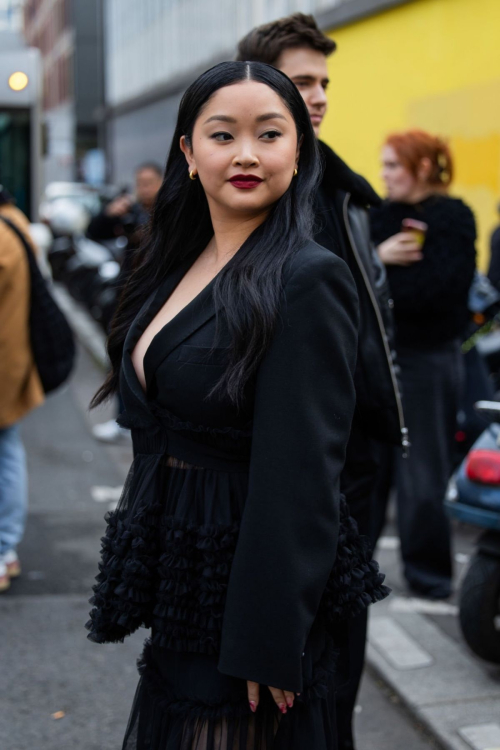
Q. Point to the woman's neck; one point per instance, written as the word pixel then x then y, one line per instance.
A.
pixel 230 232
pixel 421 193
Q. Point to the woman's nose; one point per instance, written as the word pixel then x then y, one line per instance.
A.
pixel 245 157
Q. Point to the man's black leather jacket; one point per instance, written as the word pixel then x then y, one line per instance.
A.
pixel 342 225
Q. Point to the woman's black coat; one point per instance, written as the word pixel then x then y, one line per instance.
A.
pixel 430 296
pixel 290 434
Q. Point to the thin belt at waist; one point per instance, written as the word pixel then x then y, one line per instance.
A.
pixel 206 456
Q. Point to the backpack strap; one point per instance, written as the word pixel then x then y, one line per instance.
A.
pixel 22 238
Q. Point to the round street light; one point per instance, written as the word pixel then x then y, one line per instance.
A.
pixel 18 81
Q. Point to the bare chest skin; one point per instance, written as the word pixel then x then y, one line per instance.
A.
pixel 195 280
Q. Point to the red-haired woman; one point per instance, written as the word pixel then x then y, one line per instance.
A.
pixel 426 239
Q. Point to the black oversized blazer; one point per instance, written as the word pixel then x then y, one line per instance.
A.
pixel 291 433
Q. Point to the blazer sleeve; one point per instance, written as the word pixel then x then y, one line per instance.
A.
pixel 287 544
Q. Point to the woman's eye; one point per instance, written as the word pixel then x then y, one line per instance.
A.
pixel 221 136
pixel 271 135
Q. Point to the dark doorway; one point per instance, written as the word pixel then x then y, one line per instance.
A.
pixel 15 156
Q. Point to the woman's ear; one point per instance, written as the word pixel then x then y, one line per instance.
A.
pixel 299 144
pixel 188 153
pixel 424 169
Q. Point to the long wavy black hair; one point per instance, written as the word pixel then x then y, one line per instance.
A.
pixel 248 288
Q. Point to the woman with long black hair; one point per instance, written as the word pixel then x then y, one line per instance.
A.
pixel 234 348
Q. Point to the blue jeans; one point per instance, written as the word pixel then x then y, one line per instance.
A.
pixel 13 489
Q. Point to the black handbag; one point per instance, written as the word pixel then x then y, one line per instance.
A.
pixel 52 341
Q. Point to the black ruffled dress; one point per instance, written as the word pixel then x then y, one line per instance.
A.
pixel 231 541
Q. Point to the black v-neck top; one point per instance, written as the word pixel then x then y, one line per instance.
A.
pixel 231 537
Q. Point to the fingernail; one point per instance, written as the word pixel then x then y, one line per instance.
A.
pixel 253 706
pixel 289 702
pixel 282 708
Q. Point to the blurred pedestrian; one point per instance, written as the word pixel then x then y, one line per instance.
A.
pixel 494 267
pixel 296 46
pixel 235 349
pixel 426 239
pixel 21 389
pixel 126 217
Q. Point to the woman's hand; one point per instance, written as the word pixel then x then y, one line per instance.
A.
pixel 119 206
pixel 401 249
pixel 283 699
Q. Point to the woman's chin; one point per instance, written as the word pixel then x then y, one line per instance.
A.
pixel 395 195
pixel 246 204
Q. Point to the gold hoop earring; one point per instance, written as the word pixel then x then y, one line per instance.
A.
pixel 192 175
pixel 295 172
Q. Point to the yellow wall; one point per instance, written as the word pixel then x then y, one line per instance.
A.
pixel 433 64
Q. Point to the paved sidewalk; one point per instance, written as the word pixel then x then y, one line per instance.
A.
pixel 416 647
pixel 48 667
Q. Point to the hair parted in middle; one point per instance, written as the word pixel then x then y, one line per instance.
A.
pixel 267 42
pixel 248 289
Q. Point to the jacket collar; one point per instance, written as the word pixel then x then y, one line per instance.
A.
pixel 338 176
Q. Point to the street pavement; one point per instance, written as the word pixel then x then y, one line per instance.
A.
pixel 59 691
pixel 416 648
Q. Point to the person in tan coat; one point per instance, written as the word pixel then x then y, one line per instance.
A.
pixel 20 386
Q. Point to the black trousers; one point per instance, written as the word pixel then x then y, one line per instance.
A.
pixel 432 382
pixel 358 479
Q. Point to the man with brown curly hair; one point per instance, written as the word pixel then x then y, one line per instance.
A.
pixel 298 48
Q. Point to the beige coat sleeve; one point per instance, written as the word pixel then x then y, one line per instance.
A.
pixel 20 389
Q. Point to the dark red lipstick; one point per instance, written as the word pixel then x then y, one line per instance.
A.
pixel 245 181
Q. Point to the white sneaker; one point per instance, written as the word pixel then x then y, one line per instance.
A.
pixel 4 577
pixel 109 432
pixel 11 561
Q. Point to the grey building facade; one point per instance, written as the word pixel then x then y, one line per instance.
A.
pixel 69 34
pixel 155 48
pixel 20 121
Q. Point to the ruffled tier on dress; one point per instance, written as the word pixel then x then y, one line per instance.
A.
pixel 167 565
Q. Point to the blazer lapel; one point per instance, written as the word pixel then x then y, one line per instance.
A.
pixel 141 321
pixel 194 315
pixel 151 307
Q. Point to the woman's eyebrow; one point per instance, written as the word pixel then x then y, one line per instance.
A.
pixel 260 118
pixel 270 116
pixel 221 118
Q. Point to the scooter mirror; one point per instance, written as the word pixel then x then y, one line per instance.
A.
pixel 492 407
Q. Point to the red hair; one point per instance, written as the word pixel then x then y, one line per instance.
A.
pixel 411 146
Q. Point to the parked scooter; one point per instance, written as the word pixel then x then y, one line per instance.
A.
pixel 88 269
pixel 102 296
pixel 481 350
pixel 473 496
pixel 484 333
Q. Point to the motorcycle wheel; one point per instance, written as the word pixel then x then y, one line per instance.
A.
pixel 479 607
